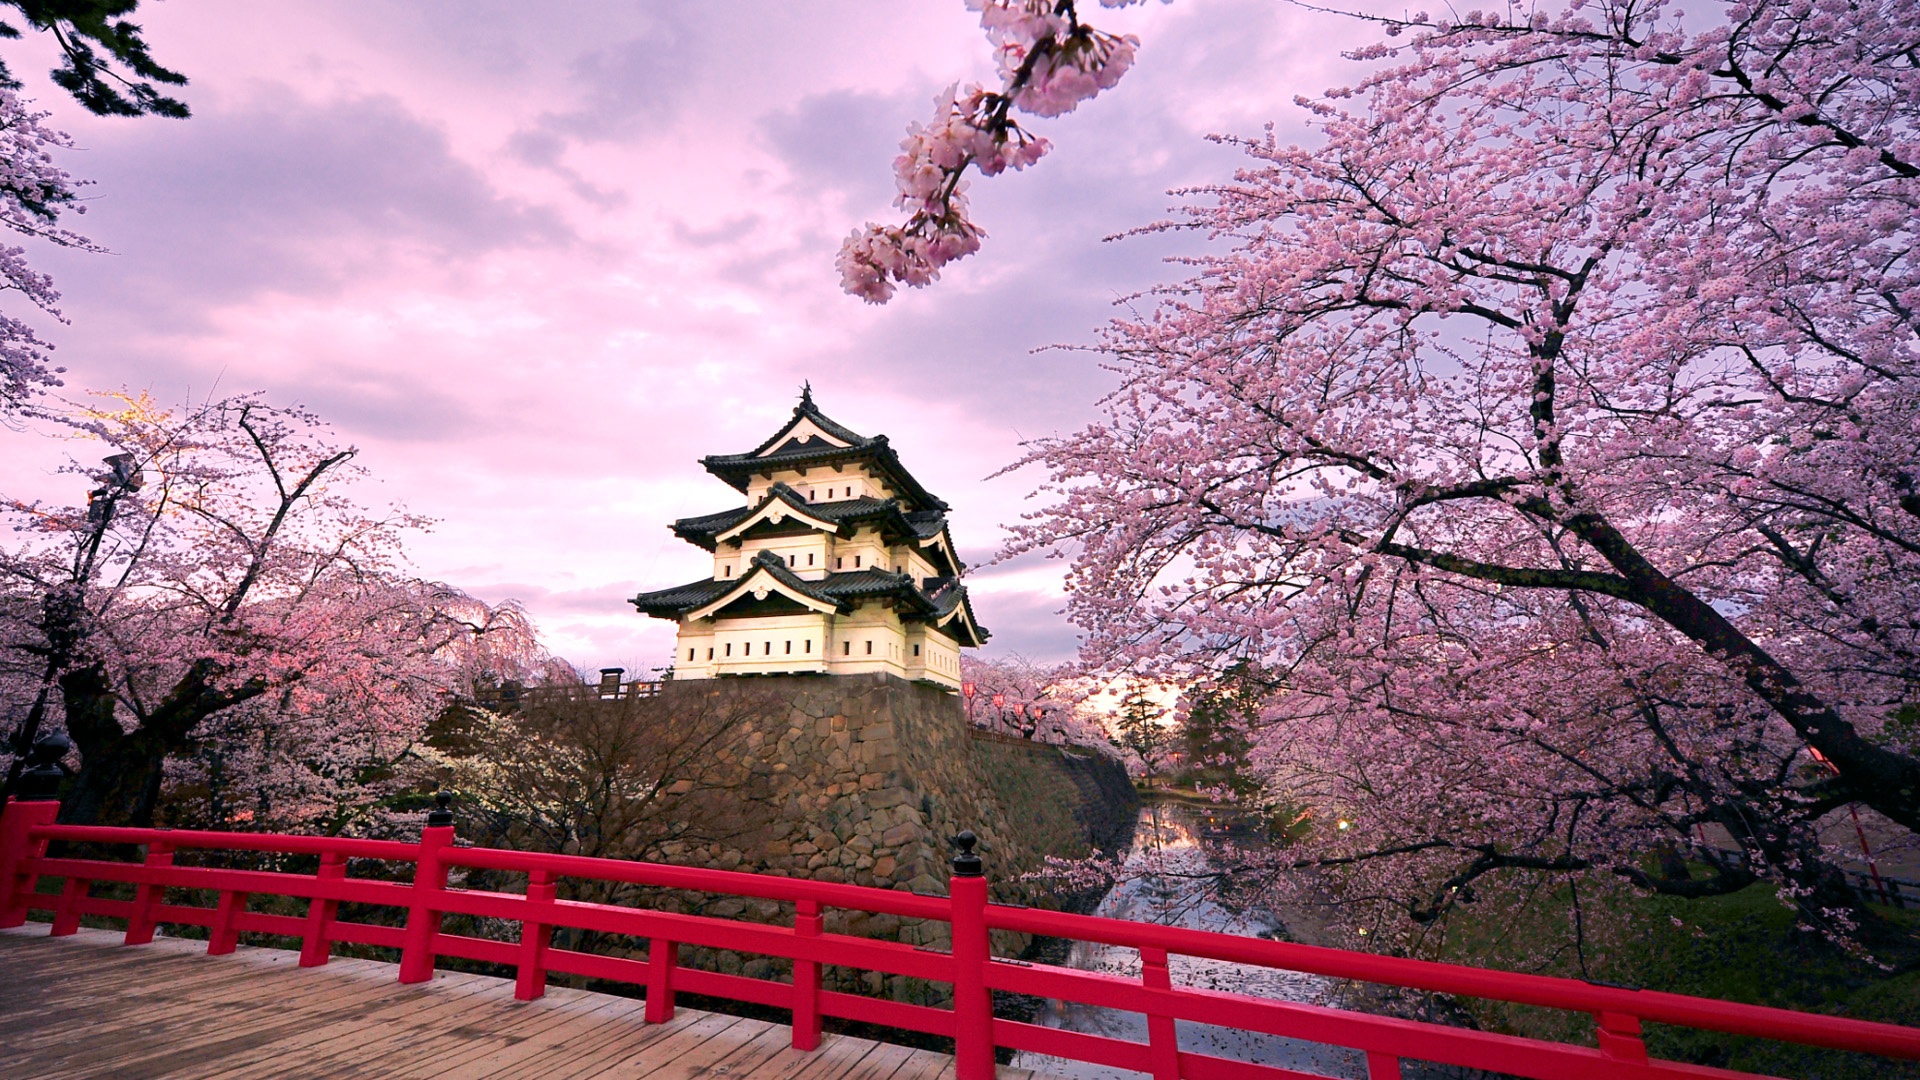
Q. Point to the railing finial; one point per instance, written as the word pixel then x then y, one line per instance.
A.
pixel 40 780
pixel 442 813
pixel 967 864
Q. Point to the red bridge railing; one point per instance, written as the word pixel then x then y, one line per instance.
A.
pixel 27 827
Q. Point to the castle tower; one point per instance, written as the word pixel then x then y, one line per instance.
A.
pixel 839 564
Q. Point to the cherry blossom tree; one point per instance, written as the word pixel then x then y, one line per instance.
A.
pixel 108 70
pixel 1548 431
pixel 1049 703
pixel 222 607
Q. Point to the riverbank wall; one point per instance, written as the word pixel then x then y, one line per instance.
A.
pixel 869 777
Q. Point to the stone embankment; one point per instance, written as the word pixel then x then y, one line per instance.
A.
pixel 871 774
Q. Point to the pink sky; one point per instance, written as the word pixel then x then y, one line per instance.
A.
pixel 535 259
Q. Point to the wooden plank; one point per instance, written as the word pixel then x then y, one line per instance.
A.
pixel 506 1025
pixel 881 1062
pixel 747 1058
pixel 548 1029
pixel 923 1065
pixel 87 1006
pixel 355 1029
pixel 616 1039
pixel 138 1010
pixel 259 1006
pixel 837 1056
pixel 218 1030
pixel 696 1046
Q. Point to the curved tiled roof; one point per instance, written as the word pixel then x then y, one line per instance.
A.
pixel 920 525
pixel 842 590
pixel 669 603
pixel 778 451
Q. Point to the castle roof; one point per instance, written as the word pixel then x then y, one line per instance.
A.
pixel 784 508
pixel 809 439
pixel 943 602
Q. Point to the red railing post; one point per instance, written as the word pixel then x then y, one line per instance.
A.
pixel 806 979
pixel 662 957
pixel 972 952
pixel 429 880
pixel 316 945
pixel 17 850
pixel 66 917
pixel 225 936
pixel 1163 1037
pixel 1618 1036
pixel 530 981
pixel 1382 1066
pixel 146 897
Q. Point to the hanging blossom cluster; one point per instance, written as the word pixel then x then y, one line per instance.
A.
pixel 1049 62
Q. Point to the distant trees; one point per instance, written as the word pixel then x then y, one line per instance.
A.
pixel 1217 722
pixel 1044 702
pixel 220 614
pixel 1141 727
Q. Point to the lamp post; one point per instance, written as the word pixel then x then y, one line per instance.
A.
pixel 63 609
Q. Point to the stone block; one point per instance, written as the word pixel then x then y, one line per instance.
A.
pixel 888 797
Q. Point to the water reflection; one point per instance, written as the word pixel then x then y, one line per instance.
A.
pixel 1163 885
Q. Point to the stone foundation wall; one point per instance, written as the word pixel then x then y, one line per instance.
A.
pixel 872 774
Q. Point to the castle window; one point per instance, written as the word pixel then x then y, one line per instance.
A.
pixel 689 655
pixel 789 561
pixel 789 646
pixel 729 569
pixel 729 648
pixel 839 562
pixel 809 494
pixel 709 652
pixel 746 648
pixel 856 562
pixel 809 558
pixel 916 650
pixel 846 648
pixel 769 649
pixel 809 646
pixel 869 646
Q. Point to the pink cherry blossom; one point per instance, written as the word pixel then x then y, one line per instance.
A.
pixel 1049 62
pixel 1545 436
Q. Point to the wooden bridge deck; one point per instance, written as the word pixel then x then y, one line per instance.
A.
pixel 87 1006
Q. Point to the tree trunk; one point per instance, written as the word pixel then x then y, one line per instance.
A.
pixel 116 785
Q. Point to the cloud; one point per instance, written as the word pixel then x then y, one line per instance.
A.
pixel 842 141
pixel 634 85
pixel 286 195
pixel 1027 623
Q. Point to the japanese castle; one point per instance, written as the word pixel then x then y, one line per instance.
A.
pixel 839 564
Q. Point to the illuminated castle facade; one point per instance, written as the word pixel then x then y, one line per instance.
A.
pixel 839 564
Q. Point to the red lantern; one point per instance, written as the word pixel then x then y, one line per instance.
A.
pixel 967 689
pixel 1034 710
pixel 999 701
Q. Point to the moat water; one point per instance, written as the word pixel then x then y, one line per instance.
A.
pixel 1167 846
